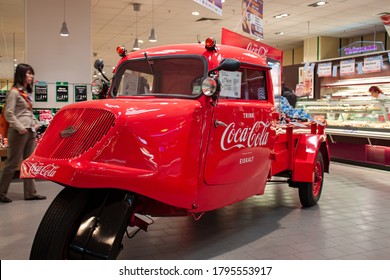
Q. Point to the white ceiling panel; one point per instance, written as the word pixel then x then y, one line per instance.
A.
pixel 113 23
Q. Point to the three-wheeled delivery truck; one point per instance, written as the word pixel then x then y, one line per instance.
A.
pixel 181 130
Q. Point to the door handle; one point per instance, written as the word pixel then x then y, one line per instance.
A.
pixel 219 123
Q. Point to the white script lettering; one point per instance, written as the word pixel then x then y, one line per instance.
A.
pixel 254 136
pixel 39 169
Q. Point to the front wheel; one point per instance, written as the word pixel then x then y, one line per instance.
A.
pixel 59 225
pixel 310 192
pixel 84 224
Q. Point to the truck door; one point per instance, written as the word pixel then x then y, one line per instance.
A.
pixel 241 134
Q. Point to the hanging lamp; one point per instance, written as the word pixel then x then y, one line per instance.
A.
pixel 64 32
pixel 153 37
pixel 136 7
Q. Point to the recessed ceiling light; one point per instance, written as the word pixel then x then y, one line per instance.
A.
pixel 281 15
pixel 318 4
pixel 279 33
pixel 195 13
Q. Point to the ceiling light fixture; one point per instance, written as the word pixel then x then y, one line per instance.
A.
pixel 279 33
pixel 152 36
pixel 64 32
pixel 195 13
pixel 318 4
pixel 281 16
pixel 136 7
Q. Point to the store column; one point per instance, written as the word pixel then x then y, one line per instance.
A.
pixel 55 58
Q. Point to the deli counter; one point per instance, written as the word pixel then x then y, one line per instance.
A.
pixel 358 125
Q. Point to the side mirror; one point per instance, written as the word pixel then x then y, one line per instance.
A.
pixel 99 64
pixel 227 64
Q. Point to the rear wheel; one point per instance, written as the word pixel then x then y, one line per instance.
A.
pixel 310 192
pixel 59 225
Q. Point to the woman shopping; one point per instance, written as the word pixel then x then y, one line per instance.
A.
pixel 21 132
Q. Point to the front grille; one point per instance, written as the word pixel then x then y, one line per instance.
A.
pixel 74 131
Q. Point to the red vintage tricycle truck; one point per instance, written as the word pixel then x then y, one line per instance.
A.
pixel 184 129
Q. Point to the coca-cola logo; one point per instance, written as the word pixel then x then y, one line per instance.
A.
pixel 261 50
pixel 40 169
pixel 245 137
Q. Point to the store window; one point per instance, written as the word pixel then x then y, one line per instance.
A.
pixel 246 84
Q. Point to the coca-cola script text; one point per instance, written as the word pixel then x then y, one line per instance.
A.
pixel 242 137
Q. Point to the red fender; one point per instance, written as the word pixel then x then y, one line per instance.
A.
pixel 306 152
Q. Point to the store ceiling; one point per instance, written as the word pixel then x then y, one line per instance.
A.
pixel 113 23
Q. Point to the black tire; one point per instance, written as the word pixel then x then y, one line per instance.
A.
pixel 59 225
pixel 310 192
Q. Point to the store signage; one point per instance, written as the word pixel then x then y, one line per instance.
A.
pixel 40 91
pixel 356 50
pixel 62 92
pixel 360 47
pixel 372 64
pixel 80 93
pixel 347 67
pixel 234 39
pixel 3 94
pixel 324 69
pixel 252 17
pixel 334 71
pixel 215 6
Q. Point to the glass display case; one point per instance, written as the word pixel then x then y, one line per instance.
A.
pixel 358 125
pixel 349 108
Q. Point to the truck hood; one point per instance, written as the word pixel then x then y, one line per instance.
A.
pixel 148 146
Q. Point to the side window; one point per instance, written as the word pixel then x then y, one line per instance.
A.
pixel 246 84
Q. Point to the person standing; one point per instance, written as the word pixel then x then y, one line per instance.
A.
pixel 21 132
pixel 289 95
pixel 376 92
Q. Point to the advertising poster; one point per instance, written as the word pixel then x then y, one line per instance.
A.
pixel 347 67
pixel 324 69
pixel 252 18
pixel 80 93
pixel 372 64
pixel 40 90
pixel 62 92
pixel 213 5
pixel 306 79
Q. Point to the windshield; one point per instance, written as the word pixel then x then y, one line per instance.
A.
pixel 168 76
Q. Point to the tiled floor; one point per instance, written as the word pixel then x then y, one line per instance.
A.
pixel 352 221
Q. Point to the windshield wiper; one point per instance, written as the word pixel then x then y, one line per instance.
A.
pixel 149 62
